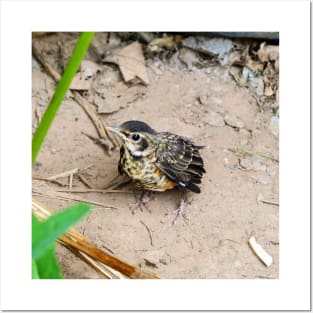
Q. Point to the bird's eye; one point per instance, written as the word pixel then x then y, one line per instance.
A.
pixel 135 137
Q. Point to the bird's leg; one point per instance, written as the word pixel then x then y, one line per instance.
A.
pixel 142 201
pixel 180 211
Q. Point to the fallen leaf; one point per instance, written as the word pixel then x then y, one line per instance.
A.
pixel 82 80
pixel 165 42
pixel 79 83
pixel 89 69
pixel 268 53
pixel 131 62
pixel 268 91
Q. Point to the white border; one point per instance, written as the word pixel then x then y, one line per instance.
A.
pixel 18 19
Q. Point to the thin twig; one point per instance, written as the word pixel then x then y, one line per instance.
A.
pixel 88 108
pixel 94 190
pixel 64 174
pixel 114 183
pixel 49 180
pixel 85 181
pixel 149 231
pixel 70 184
pixel 65 197
pixel 270 202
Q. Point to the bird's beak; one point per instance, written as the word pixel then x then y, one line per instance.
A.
pixel 116 130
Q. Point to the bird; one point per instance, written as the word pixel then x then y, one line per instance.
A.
pixel 159 161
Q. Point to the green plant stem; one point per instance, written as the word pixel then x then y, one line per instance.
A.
pixel 61 89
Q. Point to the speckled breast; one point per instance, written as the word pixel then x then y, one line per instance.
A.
pixel 144 173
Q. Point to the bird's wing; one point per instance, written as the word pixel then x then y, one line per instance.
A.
pixel 180 160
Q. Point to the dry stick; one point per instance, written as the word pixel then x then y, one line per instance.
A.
pixel 49 180
pixel 85 181
pixel 149 232
pixel 87 260
pixel 94 190
pixel 94 252
pixel 75 240
pixel 97 140
pixel 70 184
pixel 67 173
pixel 270 202
pixel 89 109
pixel 65 197
pixel 102 269
pixel 98 122
pixel 64 174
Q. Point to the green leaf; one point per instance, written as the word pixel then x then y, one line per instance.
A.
pixel 45 233
pixel 61 89
pixel 35 273
pixel 47 265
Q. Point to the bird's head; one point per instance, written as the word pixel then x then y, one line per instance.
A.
pixel 137 137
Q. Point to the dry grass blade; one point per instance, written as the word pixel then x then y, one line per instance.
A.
pixel 54 195
pixel 49 180
pixel 94 190
pixel 86 181
pixel 149 232
pixel 102 262
pixel 64 174
pixel 245 151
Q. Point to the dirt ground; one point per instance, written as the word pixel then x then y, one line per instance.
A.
pixel 205 104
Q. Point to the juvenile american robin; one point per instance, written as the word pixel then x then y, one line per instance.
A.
pixel 159 161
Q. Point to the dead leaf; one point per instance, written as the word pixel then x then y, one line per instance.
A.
pixel 268 53
pixel 79 83
pixel 82 80
pixel 165 42
pixel 131 62
pixel 254 66
pixel 268 91
pixel 89 69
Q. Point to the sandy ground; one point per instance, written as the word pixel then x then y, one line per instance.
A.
pixel 213 243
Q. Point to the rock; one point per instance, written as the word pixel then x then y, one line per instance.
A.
pixel 252 163
pixel 245 74
pixel 246 163
pixel 176 63
pixel 210 46
pixel 261 180
pixel 189 57
pixel 274 124
pixel 255 82
pixel 257 85
pixel 156 65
